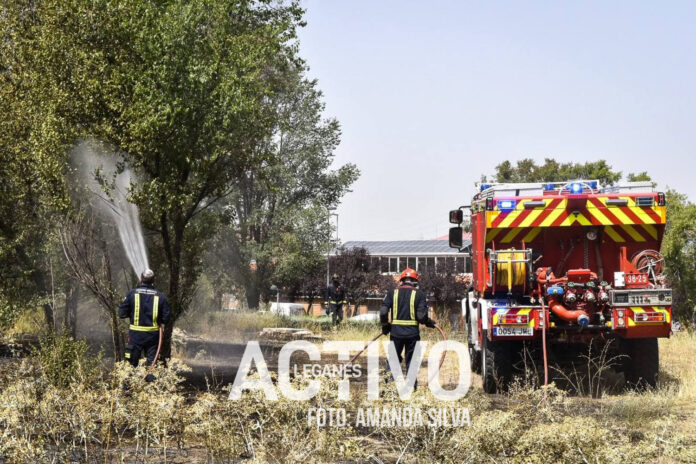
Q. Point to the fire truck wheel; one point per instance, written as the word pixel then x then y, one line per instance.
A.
pixel 642 362
pixel 475 357
pixel 496 365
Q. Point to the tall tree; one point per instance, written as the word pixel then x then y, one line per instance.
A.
pixel 637 177
pixel 308 284
pixel 32 191
pixel 360 278
pixel 527 170
pixel 679 250
pixel 277 215
pixel 445 287
pixel 88 257
pixel 180 88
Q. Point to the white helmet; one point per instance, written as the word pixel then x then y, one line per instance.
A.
pixel 147 277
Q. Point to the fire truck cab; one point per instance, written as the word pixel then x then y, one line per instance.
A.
pixel 575 259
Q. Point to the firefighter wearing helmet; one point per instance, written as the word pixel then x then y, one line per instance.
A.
pixel 336 298
pixel 147 309
pixel 408 307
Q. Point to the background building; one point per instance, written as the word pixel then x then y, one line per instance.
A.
pixel 392 257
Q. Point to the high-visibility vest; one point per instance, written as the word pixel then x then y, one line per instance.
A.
pixel 136 316
pixel 335 298
pixel 412 310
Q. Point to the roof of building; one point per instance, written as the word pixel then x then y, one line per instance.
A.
pixel 406 247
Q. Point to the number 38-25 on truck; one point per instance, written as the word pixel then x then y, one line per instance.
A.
pixel 571 264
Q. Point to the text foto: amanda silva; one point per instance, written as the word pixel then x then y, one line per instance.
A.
pixel 389 417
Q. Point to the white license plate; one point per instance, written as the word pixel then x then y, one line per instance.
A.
pixel 513 331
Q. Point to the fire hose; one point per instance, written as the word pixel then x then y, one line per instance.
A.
pixel 444 353
pixel 363 350
pixel 545 318
pixel 159 347
pixel 442 358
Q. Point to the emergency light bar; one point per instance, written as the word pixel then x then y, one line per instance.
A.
pixel 506 205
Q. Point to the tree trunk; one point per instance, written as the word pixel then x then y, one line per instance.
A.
pixel 42 282
pixel 49 314
pixel 175 300
pixel 252 296
pixel 72 297
pixel 166 351
pixel 115 337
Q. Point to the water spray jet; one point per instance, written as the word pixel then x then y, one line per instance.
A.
pixel 97 167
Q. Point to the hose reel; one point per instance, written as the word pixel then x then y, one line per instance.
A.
pixel 509 268
pixel 651 262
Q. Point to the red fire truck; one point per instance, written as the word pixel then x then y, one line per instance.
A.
pixel 560 267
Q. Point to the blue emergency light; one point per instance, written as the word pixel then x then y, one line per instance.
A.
pixel 506 205
pixel 485 187
pixel 548 187
pixel 576 187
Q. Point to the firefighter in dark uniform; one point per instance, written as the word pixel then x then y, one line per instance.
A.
pixel 147 309
pixel 408 307
pixel 336 298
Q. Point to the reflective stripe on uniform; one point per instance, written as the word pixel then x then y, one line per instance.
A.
pixel 136 316
pixel 143 328
pixel 155 307
pixel 412 310
pixel 413 305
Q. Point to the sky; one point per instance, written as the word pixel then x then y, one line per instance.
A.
pixel 431 95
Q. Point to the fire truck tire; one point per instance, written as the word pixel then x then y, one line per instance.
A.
pixel 496 365
pixel 642 362
pixel 475 357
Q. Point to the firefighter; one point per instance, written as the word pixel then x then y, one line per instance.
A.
pixel 336 297
pixel 147 310
pixel 408 307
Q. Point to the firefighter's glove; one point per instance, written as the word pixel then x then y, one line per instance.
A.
pixel 386 328
pixel 430 323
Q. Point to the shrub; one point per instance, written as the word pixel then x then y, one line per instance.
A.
pixel 64 360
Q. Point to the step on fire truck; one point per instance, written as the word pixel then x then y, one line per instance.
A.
pixel 571 264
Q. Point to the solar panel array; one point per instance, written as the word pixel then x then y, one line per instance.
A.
pixel 405 247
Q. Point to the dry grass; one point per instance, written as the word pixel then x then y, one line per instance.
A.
pixel 30 322
pixel 245 325
pixel 122 419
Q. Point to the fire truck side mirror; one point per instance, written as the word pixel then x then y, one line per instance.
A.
pixel 456 216
pixel 456 237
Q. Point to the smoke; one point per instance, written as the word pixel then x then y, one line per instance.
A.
pixel 96 166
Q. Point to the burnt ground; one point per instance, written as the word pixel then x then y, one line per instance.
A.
pixel 213 363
